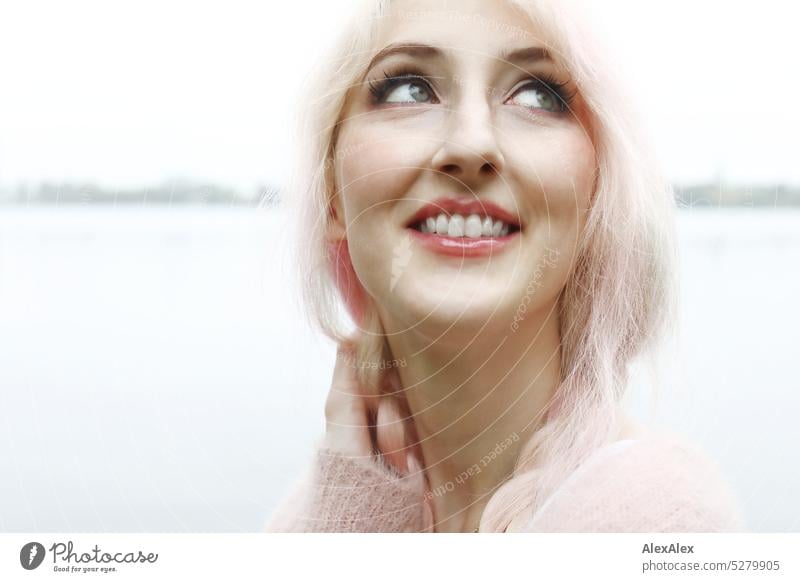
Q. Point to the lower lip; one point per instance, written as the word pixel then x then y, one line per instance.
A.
pixel 463 246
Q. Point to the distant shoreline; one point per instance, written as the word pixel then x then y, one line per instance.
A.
pixel 192 193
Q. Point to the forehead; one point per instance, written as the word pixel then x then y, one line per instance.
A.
pixel 473 26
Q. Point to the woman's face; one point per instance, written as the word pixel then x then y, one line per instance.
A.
pixel 464 170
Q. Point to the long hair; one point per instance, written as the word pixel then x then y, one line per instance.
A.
pixel 618 300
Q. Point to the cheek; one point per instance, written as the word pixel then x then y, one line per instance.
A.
pixel 374 167
pixel 561 168
pixel 372 172
pixel 558 172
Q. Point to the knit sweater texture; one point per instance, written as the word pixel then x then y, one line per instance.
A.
pixel 658 482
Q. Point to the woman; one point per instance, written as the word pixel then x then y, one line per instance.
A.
pixel 476 195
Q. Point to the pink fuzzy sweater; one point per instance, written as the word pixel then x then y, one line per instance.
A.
pixel 655 483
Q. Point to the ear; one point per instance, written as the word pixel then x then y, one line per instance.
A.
pixel 336 229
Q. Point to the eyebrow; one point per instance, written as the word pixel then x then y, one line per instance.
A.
pixel 406 48
pixel 420 50
pixel 527 55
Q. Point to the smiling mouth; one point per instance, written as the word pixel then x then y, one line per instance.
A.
pixel 473 226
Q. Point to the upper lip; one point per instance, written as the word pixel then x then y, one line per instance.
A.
pixel 450 205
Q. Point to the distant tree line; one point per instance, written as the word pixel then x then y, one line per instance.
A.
pixel 714 195
pixel 185 192
pixel 171 192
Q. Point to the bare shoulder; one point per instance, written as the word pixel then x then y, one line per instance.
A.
pixel 661 482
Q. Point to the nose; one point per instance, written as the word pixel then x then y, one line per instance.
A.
pixel 470 152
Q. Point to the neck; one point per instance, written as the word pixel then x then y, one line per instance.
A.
pixel 474 403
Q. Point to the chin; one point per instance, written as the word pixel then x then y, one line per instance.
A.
pixel 458 311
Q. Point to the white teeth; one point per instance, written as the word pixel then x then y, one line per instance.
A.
pixel 457 226
pixel 486 227
pixel 442 224
pixel 472 227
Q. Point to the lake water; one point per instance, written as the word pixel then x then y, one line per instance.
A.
pixel 155 374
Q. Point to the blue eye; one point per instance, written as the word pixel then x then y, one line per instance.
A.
pixel 403 88
pixel 408 93
pixel 538 98
pixel 544 94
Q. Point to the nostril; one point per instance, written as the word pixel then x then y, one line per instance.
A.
pixel 450 168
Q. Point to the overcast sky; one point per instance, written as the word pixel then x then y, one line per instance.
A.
pixel 131 93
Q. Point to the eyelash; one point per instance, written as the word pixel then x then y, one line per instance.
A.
pixel 380 88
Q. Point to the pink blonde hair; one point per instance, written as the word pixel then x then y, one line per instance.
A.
pixel 620 297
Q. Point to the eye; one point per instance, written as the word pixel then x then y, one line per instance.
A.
pixel 542 94
pixel 402 88
pixel 538 98
pixel 411 92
